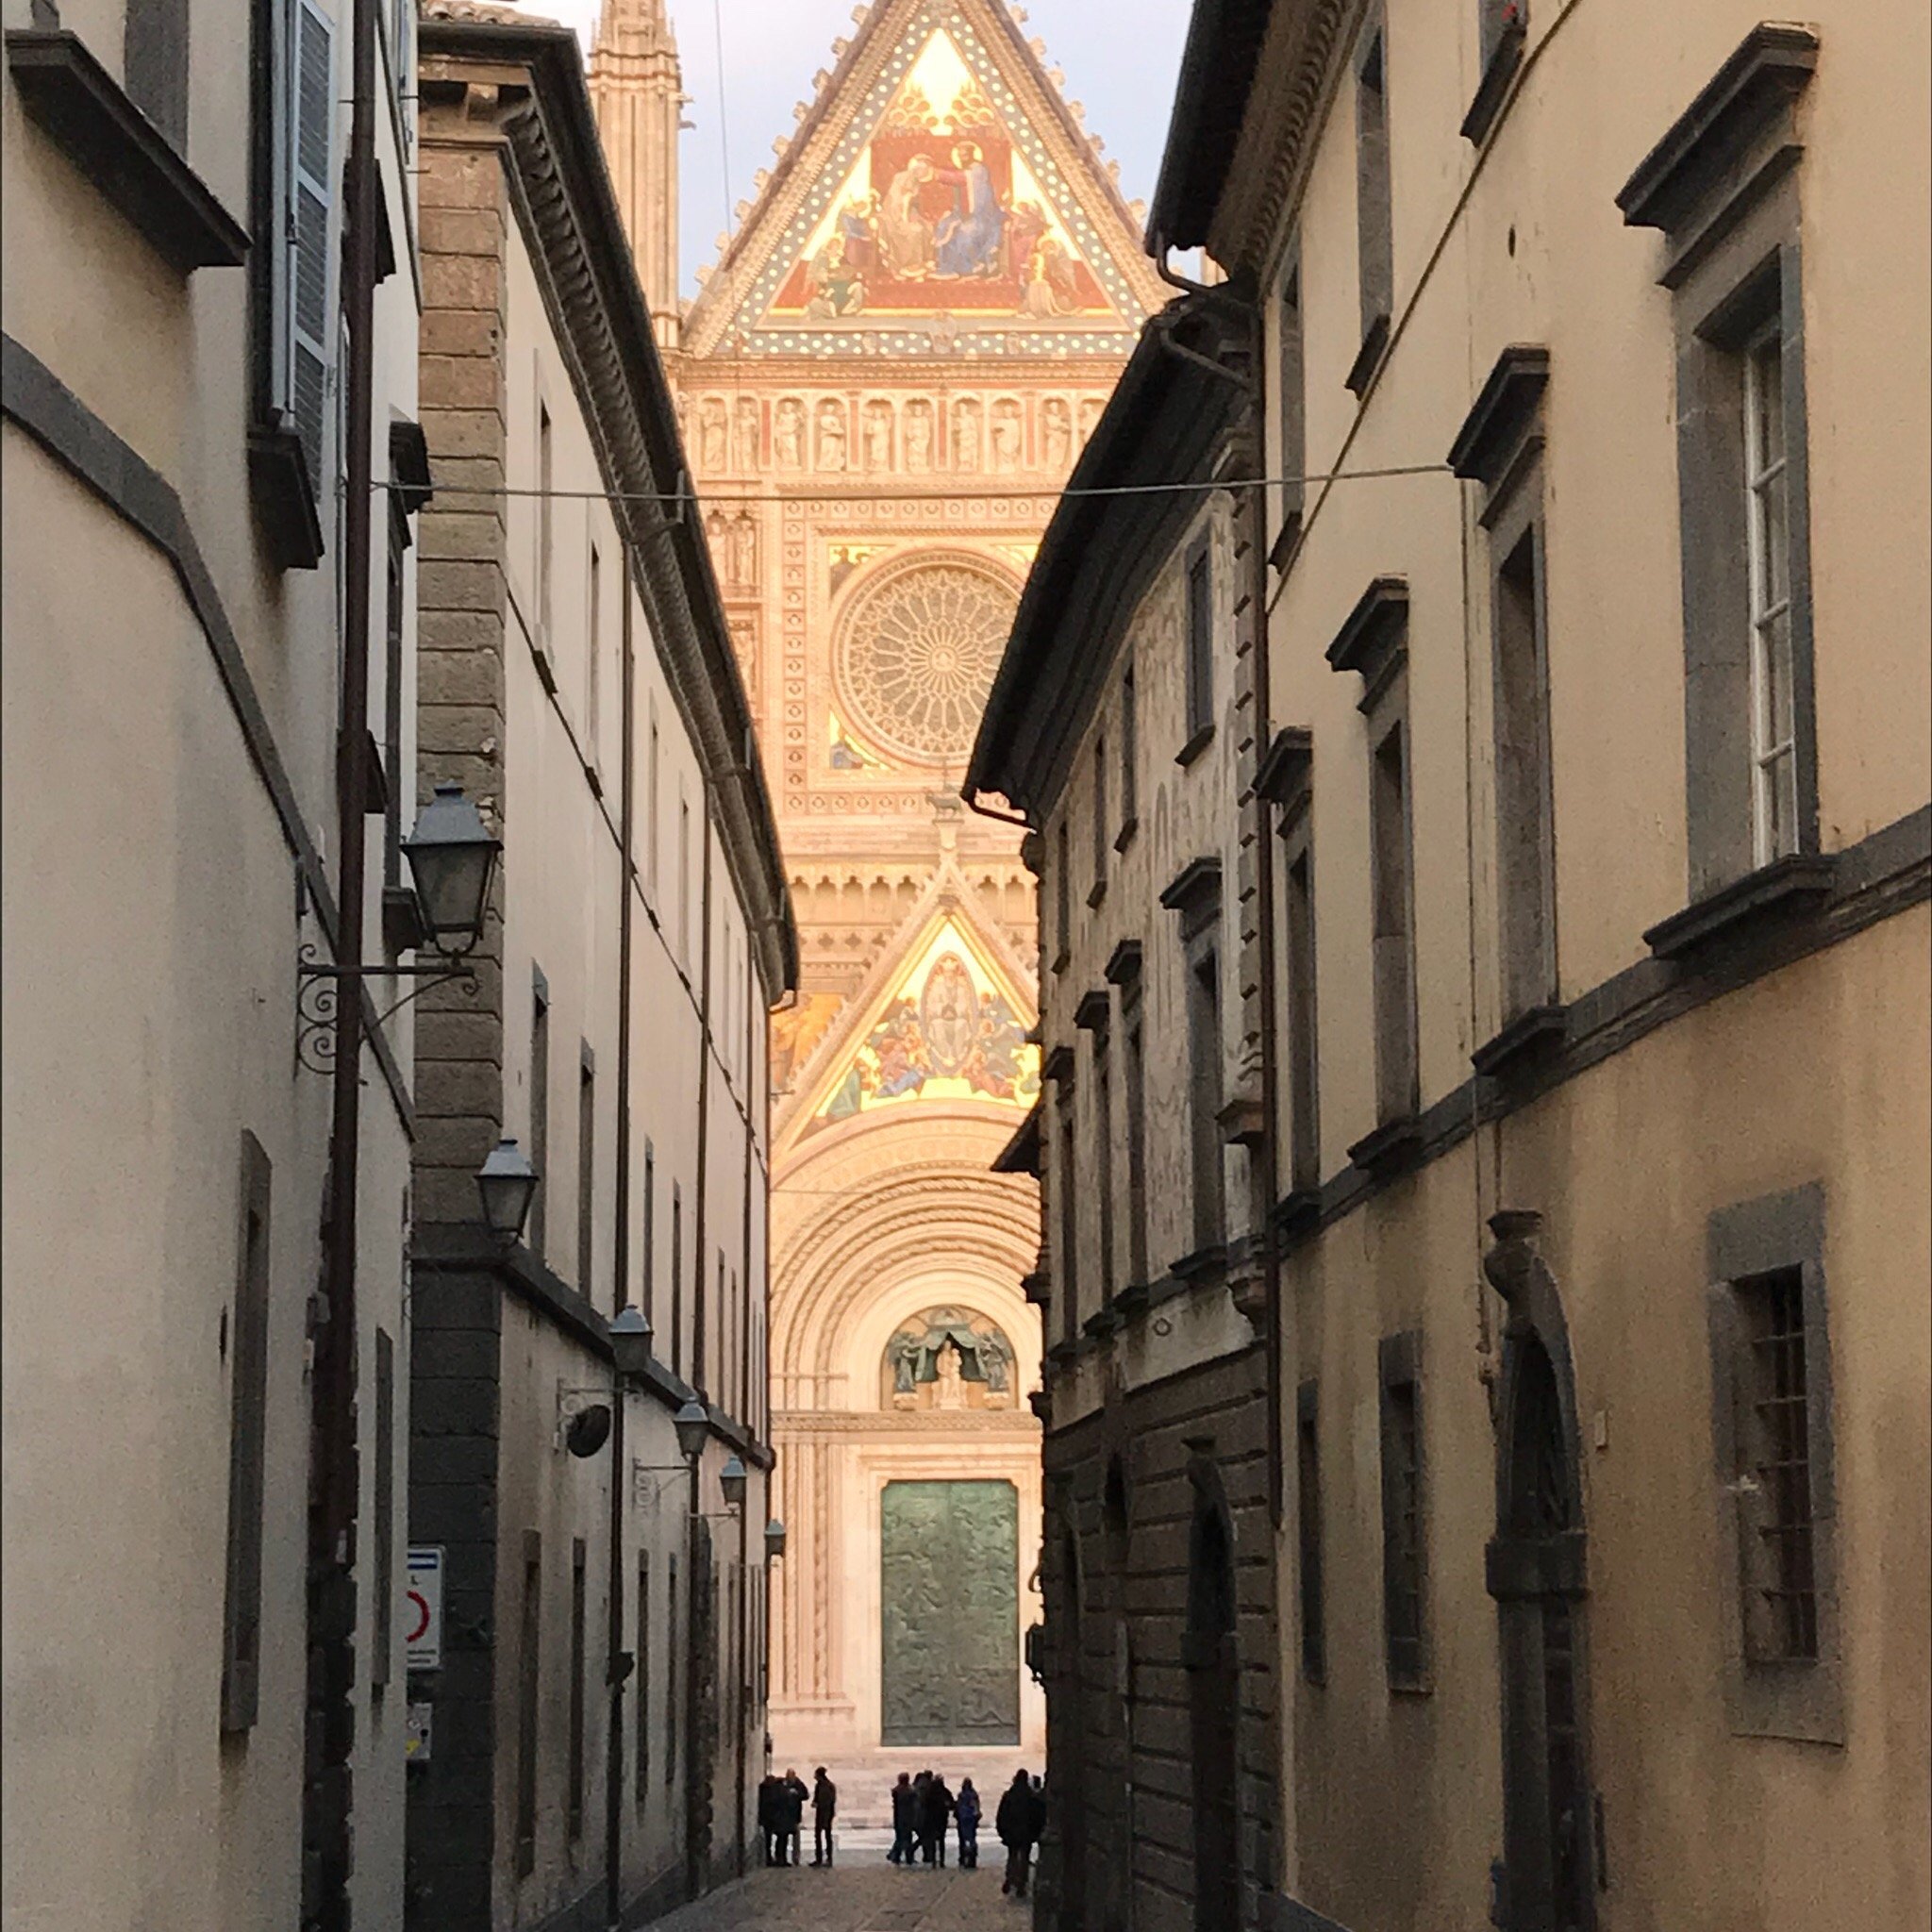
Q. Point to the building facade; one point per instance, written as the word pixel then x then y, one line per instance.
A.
pixel 174 381
pixel 1599 792
pixel 883 380
pixel 1122 724
pixel 595 1723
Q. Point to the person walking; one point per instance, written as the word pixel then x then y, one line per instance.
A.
pixel 1019 1820
pixel 904 1816
pixel 792 1817
pixel 768 1789
pixel 824 1807
pixel 939 1809
pixel 966 1816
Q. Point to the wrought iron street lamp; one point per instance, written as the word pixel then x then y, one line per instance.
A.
pixel 507 1184
pixel 693 1426
pixel 731 1479
pixel 453 859
pixel 631 1343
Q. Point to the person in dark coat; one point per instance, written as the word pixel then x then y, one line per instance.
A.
pixel 1019 1820
pixel 966 1816
pixel 792 1817
pixel 768 1817
pixel 904 1816
pixel 939 1809
pixel 824 1807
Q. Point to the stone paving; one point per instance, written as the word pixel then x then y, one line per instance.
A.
pixel 860 1893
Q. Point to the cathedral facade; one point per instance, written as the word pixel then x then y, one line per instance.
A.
pixel 884 379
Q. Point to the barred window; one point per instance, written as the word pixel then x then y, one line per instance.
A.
pixel 1780 1580
pixel 1403 1526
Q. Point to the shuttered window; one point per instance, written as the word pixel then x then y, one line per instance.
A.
pixel 307 123
pixel 247 1441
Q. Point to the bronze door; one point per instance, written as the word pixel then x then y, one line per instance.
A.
pixel 949 1613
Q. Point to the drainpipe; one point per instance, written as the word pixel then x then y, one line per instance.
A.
pixel 698 1794
pixel 745 1413
pixel 330 1717
pixel 621 1664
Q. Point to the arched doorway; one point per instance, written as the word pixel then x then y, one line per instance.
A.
pixel 1213 1707
pixel 1537 1572
pixel 1071 1791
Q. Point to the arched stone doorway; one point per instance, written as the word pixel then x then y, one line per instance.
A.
pixel 1537 1572
pixel 1209 1652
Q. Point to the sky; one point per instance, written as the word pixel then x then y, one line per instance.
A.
pixel 1120 59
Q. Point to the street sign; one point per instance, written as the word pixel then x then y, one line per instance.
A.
pixel 423 1608
pixel 416 1735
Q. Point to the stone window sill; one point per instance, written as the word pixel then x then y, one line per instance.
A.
pixel 1096 894
pixel 1361 372
pixel 1392 1146
pixel 283 498
pixel 84 111
pixel 1124 837
pixel 1195 745
pixel 1520 1045
pixel 1732 917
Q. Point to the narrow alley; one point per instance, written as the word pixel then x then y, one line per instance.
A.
pixel 860 1893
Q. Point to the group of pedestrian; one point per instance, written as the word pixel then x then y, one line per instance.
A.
pixel 923 1811
pixel 781 1817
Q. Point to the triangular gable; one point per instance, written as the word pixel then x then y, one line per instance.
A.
pixel 940 195
pixel 945 1019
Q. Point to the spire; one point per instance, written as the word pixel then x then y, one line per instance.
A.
pixel 636 87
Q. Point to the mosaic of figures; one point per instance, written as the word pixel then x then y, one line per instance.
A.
pixel 941 211
pixel 877 435
pixel 949 1031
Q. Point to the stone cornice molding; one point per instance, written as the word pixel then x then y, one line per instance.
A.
pixel 1018 1424
pixel 1300 63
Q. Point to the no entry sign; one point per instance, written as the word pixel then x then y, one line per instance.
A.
pixel 422 1607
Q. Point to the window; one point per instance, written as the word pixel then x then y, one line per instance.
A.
pixel 652 829
pixel 594 659
pixel 675 1644
pixel 640 1772
pixel 1200 648
pixel 650 1244
pixel 587 1173
pixel 394 781
pixel 1772 1429
pixel 546 525
pixel 299 268
pixel 1393 940
pixel 155 65
pixel 1130 758
pixel 683 880
pixel 529 1668
pixel 384 1513
pixel 246 1337
pixel 1403 1606
pixel 578 1611
pixel 1722 186
pixel 1103 830
pixel 1103 1155
pixel 1307 1442
pixel 1526 839
pixel 539 1102
pixel 1767 484
pixel 1067 1199
pixel 1062 897
pixel 1204 1090
pixel 1134 1033
pixel 1292 415
pixel 1375 218
pixel 676 1279
pixel 1304 1052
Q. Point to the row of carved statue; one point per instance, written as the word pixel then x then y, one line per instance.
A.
pixel 879 436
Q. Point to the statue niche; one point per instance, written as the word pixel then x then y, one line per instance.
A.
pixel 947 1358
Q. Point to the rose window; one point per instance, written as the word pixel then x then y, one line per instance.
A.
pixel 919 653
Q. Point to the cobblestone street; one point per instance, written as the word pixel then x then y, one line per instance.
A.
pixel 862 1893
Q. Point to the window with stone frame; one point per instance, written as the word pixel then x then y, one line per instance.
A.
pixel 1130 758
pixel 1404 1568
pixel 245 1336
pixel 1062 896
pixel 529 1682
pixel 1722 187
pixel 1291 413
pixel 1374 209
pixel 1307 1438
pixel 1526 830
pixel 1102 828
pixel 1199 645
pixel 1126 973
pixel 641 1768
pixel 1301 1029
pixel 1066 1193
pixel 540 1105
pixel 1205 1084
pixel 1772 1427
pixel 1392 896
